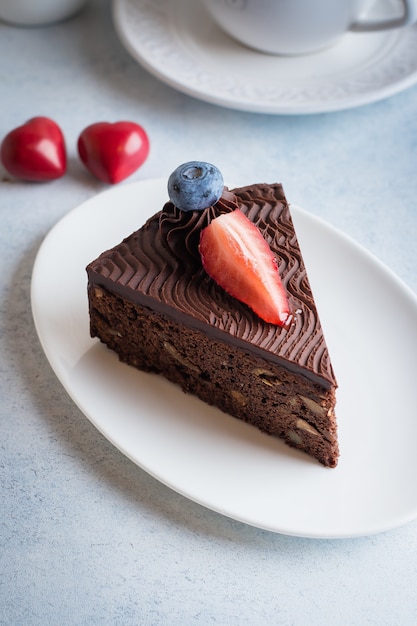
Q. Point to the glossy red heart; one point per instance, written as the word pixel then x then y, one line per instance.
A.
pixel 35 151
pixel 112 152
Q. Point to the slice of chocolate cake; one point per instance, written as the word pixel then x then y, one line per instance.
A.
pixel 151 301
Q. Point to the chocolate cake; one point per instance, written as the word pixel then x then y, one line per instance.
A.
pixel 151 301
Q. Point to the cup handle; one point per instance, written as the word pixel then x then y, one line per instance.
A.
pixel 409 17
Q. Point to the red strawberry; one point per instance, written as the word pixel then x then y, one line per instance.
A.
pixel 235 254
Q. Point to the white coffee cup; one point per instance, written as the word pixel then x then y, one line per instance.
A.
pixel 292 27
pixel 37 12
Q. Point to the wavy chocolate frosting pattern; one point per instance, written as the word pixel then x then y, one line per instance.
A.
pixel 180 230
pixel 159 266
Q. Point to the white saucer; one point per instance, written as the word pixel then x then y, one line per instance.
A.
pixel 181 45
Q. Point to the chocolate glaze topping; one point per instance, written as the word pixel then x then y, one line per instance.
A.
pixel 159 266
pixel 180 230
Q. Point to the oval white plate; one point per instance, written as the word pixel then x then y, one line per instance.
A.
pixel 179 44
pixel 370 321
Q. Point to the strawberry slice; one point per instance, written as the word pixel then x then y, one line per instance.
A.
pixel 235 254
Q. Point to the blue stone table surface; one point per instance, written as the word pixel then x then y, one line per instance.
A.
pixel 86 536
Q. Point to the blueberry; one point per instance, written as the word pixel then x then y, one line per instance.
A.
pixel 195 185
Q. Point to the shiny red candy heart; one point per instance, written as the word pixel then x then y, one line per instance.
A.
pixel 112 152
pixel 35 151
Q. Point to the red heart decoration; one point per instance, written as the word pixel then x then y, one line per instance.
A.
pixel 35 151
pixel 112 152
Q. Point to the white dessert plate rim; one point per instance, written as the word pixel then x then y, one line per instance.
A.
pixel 212 458
pixel 180 45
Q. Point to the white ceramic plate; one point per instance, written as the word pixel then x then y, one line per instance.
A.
pixel 370 320
pixel 181 45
